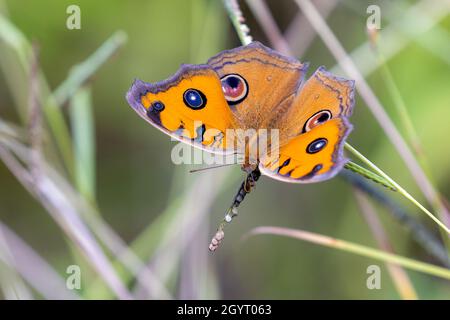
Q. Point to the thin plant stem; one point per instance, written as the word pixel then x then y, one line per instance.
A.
pixel 121 252
pixel 300 25
pixel 237 19
pixel 262 14
pixel 407 124
pixel 401 108
pixel 403 113
pixel 57 205
pixel 396 185
pixel 402 282
pixel 32 267
pixel 81 73
pixel 418 22
pixel 353 248
pixel 419 232
pixel 12 39
pixel 83 133
pixel 368 174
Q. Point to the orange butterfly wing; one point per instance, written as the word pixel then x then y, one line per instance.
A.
pixel 323 94
pixel 314 156
pixel 194 106
pixel 272 81
pixel 189 106
pixel 313 131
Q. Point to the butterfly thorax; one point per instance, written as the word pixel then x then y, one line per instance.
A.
pixel 258 146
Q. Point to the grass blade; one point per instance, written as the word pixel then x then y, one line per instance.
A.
pixel 32 267
pixel 355 249
pixel 82 72
pixel 400 278
pixel 396 186
pixel 83 136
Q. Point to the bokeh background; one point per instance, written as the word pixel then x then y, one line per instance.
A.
pixel 167 215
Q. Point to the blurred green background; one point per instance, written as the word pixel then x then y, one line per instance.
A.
pixel 140 191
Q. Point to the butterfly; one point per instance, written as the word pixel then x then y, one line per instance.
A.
pixel 253 87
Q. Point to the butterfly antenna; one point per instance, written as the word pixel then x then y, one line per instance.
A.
pixel 246 187
pixel 212 167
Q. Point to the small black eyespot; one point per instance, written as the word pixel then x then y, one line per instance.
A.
pixel 157 106
pixel 323 117
pixel 316 145
pixel 194 99
pixel 153 112
pixel 313 172
pixel 233 81
pixel 317 168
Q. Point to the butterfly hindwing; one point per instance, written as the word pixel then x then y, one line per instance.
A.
pixel 324 96
pixel 310 157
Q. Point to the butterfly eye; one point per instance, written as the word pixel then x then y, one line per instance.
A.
pixel 316 119
pixel 194 99
pixel 316 145
pixel 235 88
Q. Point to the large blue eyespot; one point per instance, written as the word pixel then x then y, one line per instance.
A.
pixel 194 99
pixel 316 145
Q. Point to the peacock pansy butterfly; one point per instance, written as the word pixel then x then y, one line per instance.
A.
pixel 255 87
